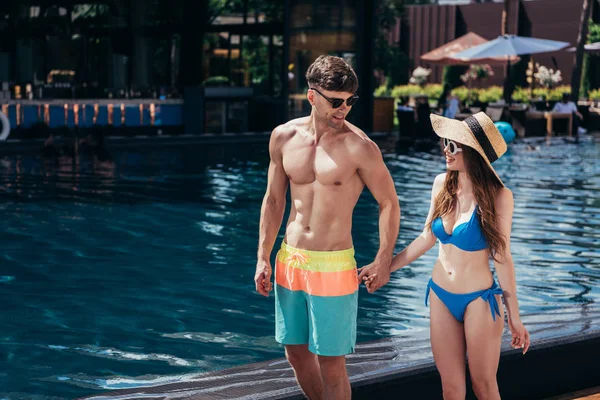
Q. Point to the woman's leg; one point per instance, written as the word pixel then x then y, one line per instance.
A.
pixel 448 346
pixel 484 337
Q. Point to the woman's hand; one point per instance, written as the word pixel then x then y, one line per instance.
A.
pixel 368 280
pixel 520 336
pixel 377 274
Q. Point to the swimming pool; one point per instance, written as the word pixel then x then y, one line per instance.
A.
pixel 140 271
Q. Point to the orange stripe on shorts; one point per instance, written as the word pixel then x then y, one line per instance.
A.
pixel 339 283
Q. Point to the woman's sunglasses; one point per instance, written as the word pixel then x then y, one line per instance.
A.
pixel 337 103
pixel 452 146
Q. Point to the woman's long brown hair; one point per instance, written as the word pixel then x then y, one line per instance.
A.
pixel 485 189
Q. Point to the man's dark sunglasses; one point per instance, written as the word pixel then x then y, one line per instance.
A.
pixel 337 103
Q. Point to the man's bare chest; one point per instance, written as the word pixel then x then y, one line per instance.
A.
pixel 328 166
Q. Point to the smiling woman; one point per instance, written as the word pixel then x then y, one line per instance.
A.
pixel 470 214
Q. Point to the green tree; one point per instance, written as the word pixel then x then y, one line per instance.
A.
pixel 594 32
pixel 256 55
pixel 220 7
pixel 581 40
pixel 388 57
pixel 588 80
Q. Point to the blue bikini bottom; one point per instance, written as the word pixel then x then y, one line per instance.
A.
pixel 457 303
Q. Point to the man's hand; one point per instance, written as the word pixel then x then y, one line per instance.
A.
pixel 262 278
pixel 375 275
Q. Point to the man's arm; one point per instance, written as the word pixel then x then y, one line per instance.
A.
pixel 271 212
pixel 575 110
pixel 378 180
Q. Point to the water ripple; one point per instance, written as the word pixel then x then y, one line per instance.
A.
pixel 140 272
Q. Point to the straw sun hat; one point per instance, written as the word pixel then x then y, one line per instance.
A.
pixel 477 131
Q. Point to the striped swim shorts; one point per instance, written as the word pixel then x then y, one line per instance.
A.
pixel 316 299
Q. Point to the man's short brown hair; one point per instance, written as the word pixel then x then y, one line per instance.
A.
pixel 332 73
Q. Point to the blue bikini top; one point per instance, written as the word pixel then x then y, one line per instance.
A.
pixel 466 236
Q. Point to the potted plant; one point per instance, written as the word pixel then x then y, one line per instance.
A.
pixel 419 76
pixel 594 95
pixel 383 109
pixel 491 94
pixel 548 79
pixel 466 96
pixel 520 95
pixel 476 72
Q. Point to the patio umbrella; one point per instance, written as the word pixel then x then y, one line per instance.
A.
pixel 445 53
pixel 592 48
pixel 510 45
pixel 507 46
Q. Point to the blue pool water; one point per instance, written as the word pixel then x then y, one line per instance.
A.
pixel 140 271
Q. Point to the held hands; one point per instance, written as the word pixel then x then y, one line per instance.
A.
pixel 369 282
pixel 520 336
pixel 375 275
pixel 262 278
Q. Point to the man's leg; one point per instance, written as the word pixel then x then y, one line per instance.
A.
pixel 292 329
pixel 336 385
pixel 332 312
pixel 307 370
pixel 332 339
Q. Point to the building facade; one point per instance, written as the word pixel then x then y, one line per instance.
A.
pixel 428 27
pixel 236 65
pixel 227 66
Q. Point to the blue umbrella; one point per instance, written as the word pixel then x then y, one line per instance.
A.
pixel 511 45
pixel 593 48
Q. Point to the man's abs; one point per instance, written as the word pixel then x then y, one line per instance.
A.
pixel 319 238
pixel 321 216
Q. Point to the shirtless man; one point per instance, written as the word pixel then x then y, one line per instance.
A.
pixel 327 162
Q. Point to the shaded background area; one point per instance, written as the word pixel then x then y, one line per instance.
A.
pixel 239 65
